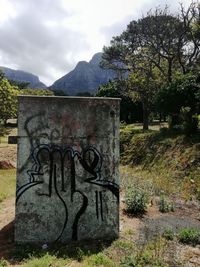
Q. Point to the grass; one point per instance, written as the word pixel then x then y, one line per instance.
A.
pixel 7 183
pixel 4 132
pixel 120 253
pixel 168 160
pixel 45 261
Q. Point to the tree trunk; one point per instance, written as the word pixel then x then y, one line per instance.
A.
pixel 145 117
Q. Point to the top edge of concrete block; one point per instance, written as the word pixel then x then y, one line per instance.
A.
pixel 70 97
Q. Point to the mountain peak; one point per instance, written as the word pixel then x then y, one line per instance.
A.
pixel 96 59
pixel 86 77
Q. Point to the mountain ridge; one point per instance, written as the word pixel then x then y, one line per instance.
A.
pixel 23 76
pixel 85 77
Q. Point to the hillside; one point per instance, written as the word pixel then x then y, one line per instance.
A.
pixel 86 77
pixel 22 76
pixel 170 159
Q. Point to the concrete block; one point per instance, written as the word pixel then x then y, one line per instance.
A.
pixel 67 169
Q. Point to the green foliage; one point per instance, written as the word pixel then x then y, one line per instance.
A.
pixel 3 131
pixel 165 206
pixel 39 92
pixel 130 111
pixel 136 200
pixel 150 154
pixel 189 236
pixel 3 263
pixel 20 85
pixel 45 260
pixel 168 234
pixel 151 254
pixel 123 245
pixel 152 51
pixel 181 96
pixel 100 259
pixel 8 101
pixel 128 261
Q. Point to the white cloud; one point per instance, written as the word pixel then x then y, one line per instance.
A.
pixel 48 37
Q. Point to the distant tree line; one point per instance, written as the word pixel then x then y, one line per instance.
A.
pixel 157 60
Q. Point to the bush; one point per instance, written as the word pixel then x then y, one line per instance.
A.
pixel 3 263
pixel 168 234
pixel 165 206
pixel 128 261
pixel 136 201
pixel 3 131
pixel 189 236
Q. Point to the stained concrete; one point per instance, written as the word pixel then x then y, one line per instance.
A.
pixel 67 169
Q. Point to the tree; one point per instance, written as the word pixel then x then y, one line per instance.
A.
pixel 8 100
pixel 160 43
pixel 182 96
pixel 20 85
pixel 144 84
pixel 130 111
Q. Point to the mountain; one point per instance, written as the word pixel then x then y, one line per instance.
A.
pixel 22 76
pixel 86 77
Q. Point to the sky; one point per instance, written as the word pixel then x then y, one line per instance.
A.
pixel 49 37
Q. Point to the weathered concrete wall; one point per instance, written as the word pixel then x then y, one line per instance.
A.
pixel 67 170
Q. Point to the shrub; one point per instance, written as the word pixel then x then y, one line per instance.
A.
pixel 128 261
pixel 168 234
pixel 99 260
pixel 3 263
pixel 165 206
pixel 189 236
pixel 136 200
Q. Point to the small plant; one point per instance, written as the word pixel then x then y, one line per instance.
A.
pixel 3 263
pixel 189 236
pixel 128 261
pixel 165 206
pixel 99 260
pixel 136 201
pixel 168 234
pixel 79 254
pixel 45 260
pixel 123 245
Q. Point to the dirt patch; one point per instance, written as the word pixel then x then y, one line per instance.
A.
pixel 8 153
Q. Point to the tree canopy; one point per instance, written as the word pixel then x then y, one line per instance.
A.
pixel 153 50
pixel 8 100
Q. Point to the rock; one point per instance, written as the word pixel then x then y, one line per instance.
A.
pixel 7 164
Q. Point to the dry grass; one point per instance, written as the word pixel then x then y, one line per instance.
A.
pixel 7 183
